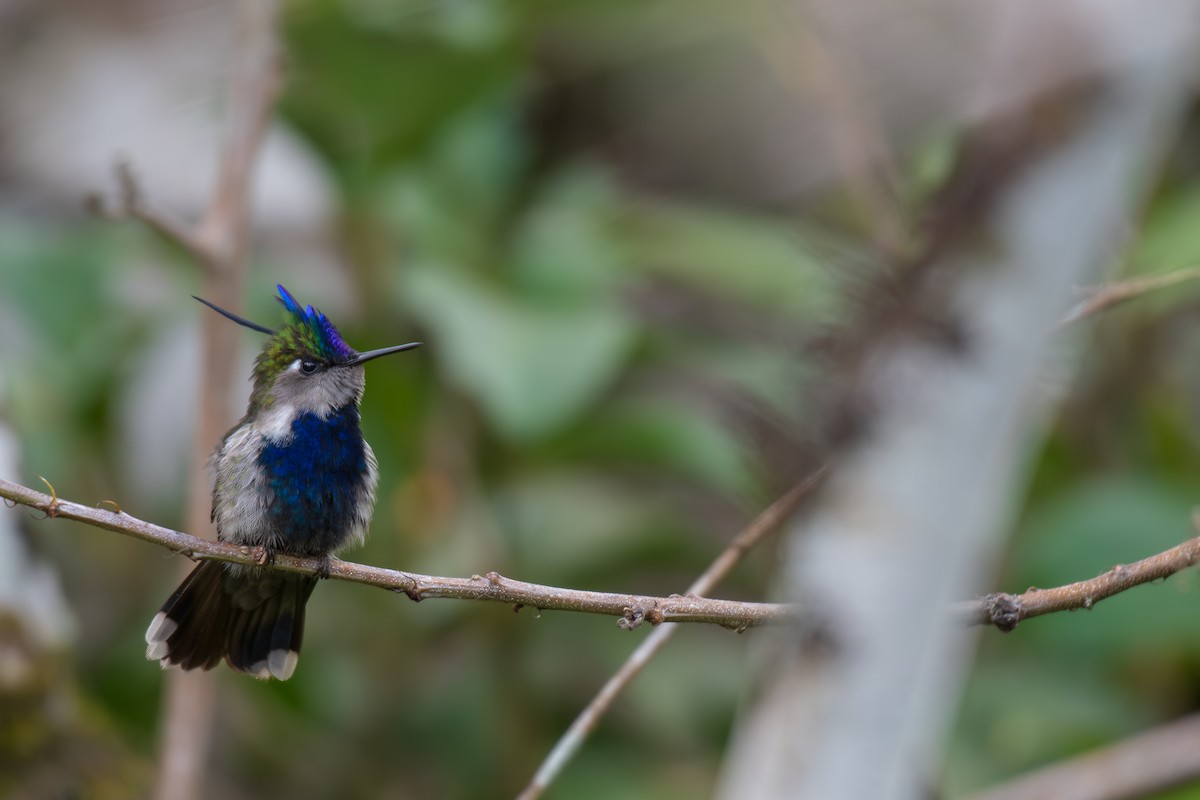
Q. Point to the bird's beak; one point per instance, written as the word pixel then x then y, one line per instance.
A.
pixel 363 358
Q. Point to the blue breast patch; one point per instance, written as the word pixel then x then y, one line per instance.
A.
pixel 315 481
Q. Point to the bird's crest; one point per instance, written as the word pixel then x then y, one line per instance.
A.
pixel 307 332
pixel 306 336
pixel 310 331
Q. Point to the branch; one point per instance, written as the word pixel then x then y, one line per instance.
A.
pixel 131 204
pixel 918 499
pixel 569 743
pixel 633 610
pixel 218 242
pixel 1105 297
pixel 1005 611
pixel 1139 766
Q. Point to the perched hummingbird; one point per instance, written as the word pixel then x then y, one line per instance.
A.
pixel 294 476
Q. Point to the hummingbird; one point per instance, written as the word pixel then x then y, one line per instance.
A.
pixel 294 476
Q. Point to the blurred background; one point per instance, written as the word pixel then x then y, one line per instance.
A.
pixel 632 235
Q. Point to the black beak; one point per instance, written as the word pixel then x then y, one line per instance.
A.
pixel 363 358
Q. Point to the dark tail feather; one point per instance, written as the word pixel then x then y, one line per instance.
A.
pixel 254 619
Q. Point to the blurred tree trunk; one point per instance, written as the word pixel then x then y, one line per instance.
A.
pixel 857 702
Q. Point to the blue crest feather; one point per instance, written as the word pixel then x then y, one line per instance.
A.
pixel 324 334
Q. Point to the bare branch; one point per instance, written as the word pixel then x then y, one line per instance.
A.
pixel 1005 611
pixel 798 45
pixel 253 88
pixel 569 743
pixel 1139 766
pixel 218 243
pixel 1105 297
pixel 632 610
pixel 131 204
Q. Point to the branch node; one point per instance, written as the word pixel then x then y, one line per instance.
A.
pixel 634 616
pixel 413 591
pixel 113 503
pixel 494 578
pixel 1003 610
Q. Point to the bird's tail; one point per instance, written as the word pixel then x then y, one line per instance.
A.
pixel 253 618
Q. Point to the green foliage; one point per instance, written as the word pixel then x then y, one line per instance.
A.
pixel 578 416
pixel 533 366
pixel 601 360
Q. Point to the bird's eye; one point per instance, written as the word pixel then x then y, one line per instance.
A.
pixel 308 366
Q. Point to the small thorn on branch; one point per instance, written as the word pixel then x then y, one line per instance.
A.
pixel 51 509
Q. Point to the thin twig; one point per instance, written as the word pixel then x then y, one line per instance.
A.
pixel 131 204
pixel 632 610
pixel 1105 297
pixel 796 44
pixel 574 737
pixel 253 88
pixel 1005 611
pixel 1139 766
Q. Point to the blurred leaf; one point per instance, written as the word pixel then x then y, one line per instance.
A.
pixel 1170 238
pixel 565 247
pixel 1168 241
pixel 672 437
pixel 449 205
pixel 338 97
pixel 757 262
pixel 532 368
pixel 463 22
pixel 772 376
pixel 930 165
pixel 565 522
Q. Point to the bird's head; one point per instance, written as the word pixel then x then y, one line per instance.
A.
pixel 306 365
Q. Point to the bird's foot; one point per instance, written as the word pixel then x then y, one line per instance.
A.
pixel 263 555
pixel 324 566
